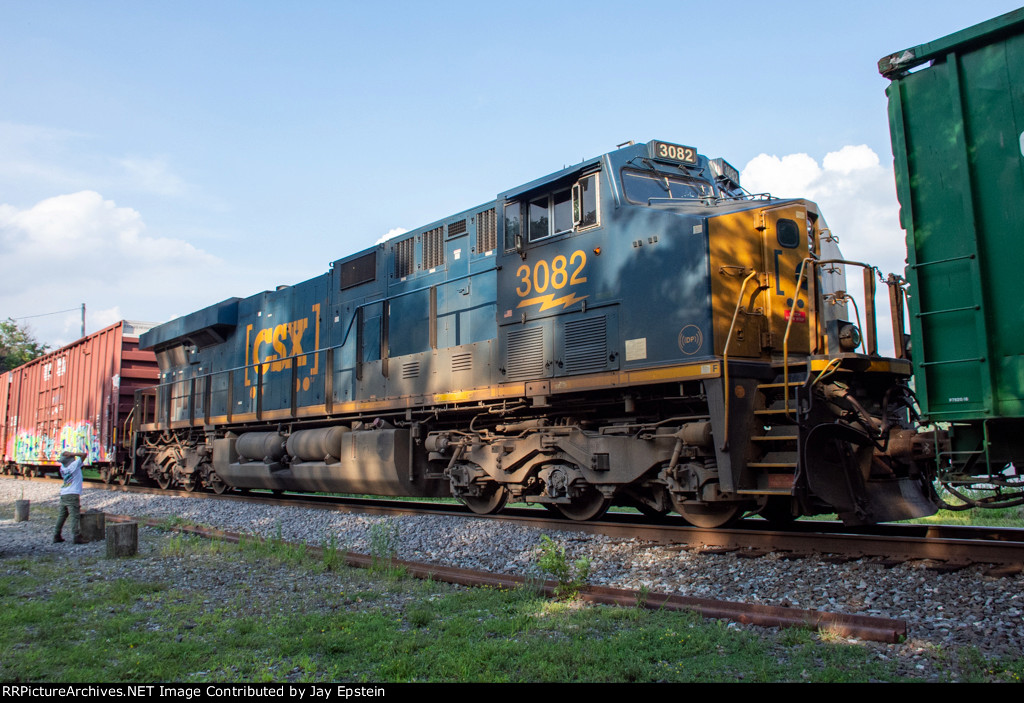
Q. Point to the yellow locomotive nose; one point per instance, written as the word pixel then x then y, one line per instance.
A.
pixel 767 245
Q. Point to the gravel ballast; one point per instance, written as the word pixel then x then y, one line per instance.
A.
pixel 943 610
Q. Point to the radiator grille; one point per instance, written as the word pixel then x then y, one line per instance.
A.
pixel 457 228
pixel 433 248
pixel 411 369
pixel 486 231
pixel 586 345
pixel 525 354
pixel 405 252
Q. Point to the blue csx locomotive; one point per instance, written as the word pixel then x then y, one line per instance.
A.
pixel 636 329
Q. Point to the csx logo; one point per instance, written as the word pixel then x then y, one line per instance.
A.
pixel 271 348
pixel 275 338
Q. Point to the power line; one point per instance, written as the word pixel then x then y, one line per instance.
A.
pixel 59 312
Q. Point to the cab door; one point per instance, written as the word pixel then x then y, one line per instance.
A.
pixel 784 249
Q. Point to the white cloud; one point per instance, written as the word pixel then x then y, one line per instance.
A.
pixel 856 194
pixel 857 197
pixel 789 176
pixel 41 159
pixel 81 229
pixel 850 158
pixel 80 247
pixel 391 234
pixel 98 319
pixel 153 175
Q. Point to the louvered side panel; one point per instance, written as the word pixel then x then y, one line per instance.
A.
pixel 525 354
pixel 462 362
pixel 586 345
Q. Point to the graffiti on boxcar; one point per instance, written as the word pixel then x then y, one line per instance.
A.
pixel 31 448
pixel 81 437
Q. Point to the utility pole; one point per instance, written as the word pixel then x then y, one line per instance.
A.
pixel 83 319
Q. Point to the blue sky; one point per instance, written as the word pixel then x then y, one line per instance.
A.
pixel 158 157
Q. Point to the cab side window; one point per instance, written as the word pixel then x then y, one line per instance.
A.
pixel 513 225
pixel 554 213
pixel 539 220
pixel 584 202
pixel 551 214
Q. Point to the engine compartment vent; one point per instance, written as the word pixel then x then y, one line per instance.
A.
pixel 462 362
pixel 586 345
pixel 525 354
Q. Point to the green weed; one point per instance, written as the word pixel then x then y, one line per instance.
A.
pixel 384 540
pixel 333 558
pixel 570 577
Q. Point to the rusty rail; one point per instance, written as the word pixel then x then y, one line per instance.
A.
pixel 862 626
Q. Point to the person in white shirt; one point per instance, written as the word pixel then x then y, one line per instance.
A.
pixel 70 495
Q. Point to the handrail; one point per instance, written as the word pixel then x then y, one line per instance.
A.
pixel 789 326
pixel 128 425
pixel 725 357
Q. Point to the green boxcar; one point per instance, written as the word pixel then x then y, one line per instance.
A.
pixel 956 114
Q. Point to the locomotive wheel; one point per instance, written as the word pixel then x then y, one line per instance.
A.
pixel 106 473
pixel 216 484
pixel 123 478
pixel 589 506
pixel 191 483
pixel 487 504
pixel 163 480
pixel 709 516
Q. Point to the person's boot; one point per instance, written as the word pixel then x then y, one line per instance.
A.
pixel 57 538
pixel 79 540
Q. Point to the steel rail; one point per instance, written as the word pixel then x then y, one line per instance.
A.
pixel 953 545
pixel 861 626
pixel 961 546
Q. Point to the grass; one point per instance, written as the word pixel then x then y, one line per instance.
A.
pixel 91 623
pixel 988 517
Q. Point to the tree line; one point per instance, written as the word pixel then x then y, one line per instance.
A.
pixel 17 345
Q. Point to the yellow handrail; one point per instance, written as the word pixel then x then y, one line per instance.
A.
pixel 785 337
pixel 725 357
pixel 129 424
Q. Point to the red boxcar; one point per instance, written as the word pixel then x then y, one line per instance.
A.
pixel 78 398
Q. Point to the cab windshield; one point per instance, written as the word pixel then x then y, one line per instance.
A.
pixel 646 187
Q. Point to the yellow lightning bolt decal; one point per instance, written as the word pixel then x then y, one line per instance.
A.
pixel 549 301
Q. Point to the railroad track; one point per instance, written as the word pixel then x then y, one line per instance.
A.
pixel 947 547
pixel 671 533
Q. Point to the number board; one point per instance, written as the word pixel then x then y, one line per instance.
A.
pixel 673 152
